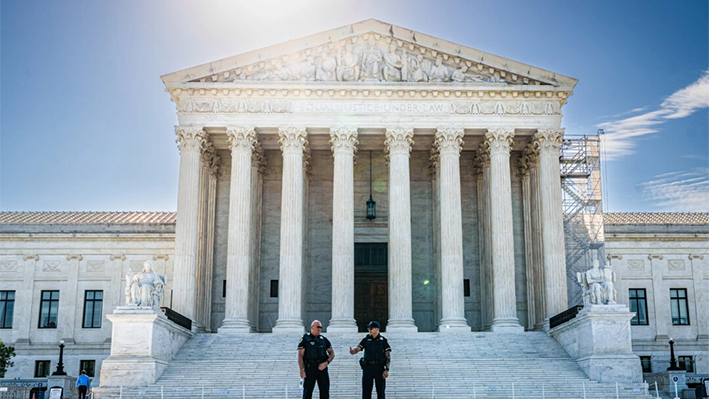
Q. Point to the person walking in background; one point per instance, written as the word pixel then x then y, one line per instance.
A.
pixel 376 361
pixel 83 384
pixel 314 355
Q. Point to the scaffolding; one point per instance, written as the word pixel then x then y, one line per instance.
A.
pixel 580 164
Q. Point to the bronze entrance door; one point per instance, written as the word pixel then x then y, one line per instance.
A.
pixel 371 285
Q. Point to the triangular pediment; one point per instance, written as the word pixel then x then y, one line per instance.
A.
pixel 368 52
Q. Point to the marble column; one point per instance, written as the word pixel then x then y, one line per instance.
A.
pixel 398 144
pixel 189 140
pixel 548 141
pixel 523 165
pixel 290 284
pixel 449 142
pixel 434 172
pixel 213 172
pixel 505 302
pixel 258 165
pixel 482 162
pixel 236 317
pixel 701 293
pixel 208 151
pixel 343 143
pixel 532 156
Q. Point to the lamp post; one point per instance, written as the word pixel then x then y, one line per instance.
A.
pixel 60 365
pixel 371 205
pixel 673 361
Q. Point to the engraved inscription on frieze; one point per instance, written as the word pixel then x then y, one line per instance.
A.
pixel 8 265
pixel 370 58
pixel 675 264
pixel 636 264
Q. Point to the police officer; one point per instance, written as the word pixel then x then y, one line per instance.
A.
pixel 314 355
pixel 376 361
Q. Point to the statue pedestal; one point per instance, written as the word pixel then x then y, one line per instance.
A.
pixel 142 343
pixel 599 339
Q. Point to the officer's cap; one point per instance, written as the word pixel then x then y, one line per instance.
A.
pixel 373 324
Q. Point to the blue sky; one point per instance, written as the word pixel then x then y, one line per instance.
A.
pixel 85 122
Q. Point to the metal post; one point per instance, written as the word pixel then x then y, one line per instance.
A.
pixel 202 391
pixel 583 383
pixel 474 394
pixel 673 361
pixel 513 390
pixel 286 391
pixel 645 384
pixel 657 393
pixel 162 392
pixel 543 393
pixel 676 394
pixel 433 392
pixel 616 390
pixel 120 393
pixel 243 392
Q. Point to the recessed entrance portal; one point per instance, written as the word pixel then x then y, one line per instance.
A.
pixel 371 284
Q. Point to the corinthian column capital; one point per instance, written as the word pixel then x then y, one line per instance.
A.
pixel 241 139
pixel 449 141
pixel 499 140
pixel 399 140
pixel 190 138
pixel 549 141
pixel 292 139
pixel 343 140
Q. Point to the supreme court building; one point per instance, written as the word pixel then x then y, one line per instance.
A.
pixel 280 151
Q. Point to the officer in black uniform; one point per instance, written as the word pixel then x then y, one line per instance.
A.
pixel 376 361
pixel 314 355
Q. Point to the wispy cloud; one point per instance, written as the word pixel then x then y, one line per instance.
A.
pixel 686 191
pixel 621 134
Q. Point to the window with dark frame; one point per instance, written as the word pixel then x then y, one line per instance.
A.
pixel 48 309
pixel 466 287
pixel 89 366
pixel 686 363
pixel 93 308
pixel 274 288
pixel 41 368
pixel 646 364
pixel 678 302
pixel 638 304
pixel 7 308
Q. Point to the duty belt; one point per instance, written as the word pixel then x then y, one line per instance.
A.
pixel 373 362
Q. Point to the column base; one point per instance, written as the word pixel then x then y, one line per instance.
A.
pixel 401 326
pixel 506 325
pixel 342 326
pixel 235 326
pixel 454 325
pixel 289 326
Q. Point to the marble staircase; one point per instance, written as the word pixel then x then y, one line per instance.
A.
pixel 424 365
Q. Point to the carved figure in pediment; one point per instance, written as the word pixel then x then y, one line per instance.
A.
pixel 327 68
pixel 439 72
pixel 145 288
pixel 372 62
pixel 413 70
pixel 462 75
pixel 348 65
pixel 306 70
pixel 392 65
pixel 283 73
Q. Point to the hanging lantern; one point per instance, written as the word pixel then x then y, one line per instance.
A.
pixel 371 205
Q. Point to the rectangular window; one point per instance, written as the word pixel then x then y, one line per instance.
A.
pixel 638 304
pixel 274 288
pixel 646 364
pixel 41 368
pixel 48 309
pixel 89 366
pixel 7 308
pixel 93 306
pixel 678 301
pixel 466 287
pixel 686 363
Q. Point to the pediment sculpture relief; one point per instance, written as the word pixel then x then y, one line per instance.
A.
pixel 374 59
pixel 598 285
pixel 145 289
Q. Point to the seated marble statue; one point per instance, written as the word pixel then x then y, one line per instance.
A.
pixel 591 281
pixel 146 288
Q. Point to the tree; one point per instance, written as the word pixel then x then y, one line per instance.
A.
pixel 6 353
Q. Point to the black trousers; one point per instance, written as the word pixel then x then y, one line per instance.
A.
pixel 82 391
pixel 370 376
pixel 313 375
